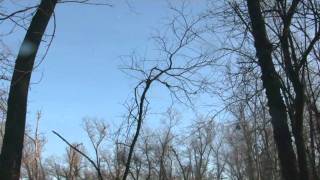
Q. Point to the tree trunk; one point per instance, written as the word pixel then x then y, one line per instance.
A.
pixel 272 85
pixel 11 152
pixel 298 106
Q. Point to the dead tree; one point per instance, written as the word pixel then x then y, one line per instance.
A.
pixel 32 153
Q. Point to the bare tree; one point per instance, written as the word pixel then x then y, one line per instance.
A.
pixel 32 153
pixel 283 34
pixel 97 133
pixel 11 153
pixel 176 70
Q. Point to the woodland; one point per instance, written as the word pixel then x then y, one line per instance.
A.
pixel 260 60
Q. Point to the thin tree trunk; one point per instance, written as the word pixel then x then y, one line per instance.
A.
pixel 11 152
pixel 312 147
pixel 139 125
pixel 298 106
pixel 272 85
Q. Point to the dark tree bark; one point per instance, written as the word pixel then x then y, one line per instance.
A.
pixel 11 152
pixel 271 83
pixel 299 101
pixel 139 125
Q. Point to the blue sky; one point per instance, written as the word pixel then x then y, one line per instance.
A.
pixel 80 76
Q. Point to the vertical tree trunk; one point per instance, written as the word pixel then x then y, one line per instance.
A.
pixel 11 152
pixel 298 106
pixel 272 84
pixel 297 130
pixel 312 151
pixel 139 125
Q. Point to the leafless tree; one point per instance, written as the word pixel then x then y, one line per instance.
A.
pixel 274 29
pixel 11 153
pixel 32 153
pixel 175 69
pixel 97 133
